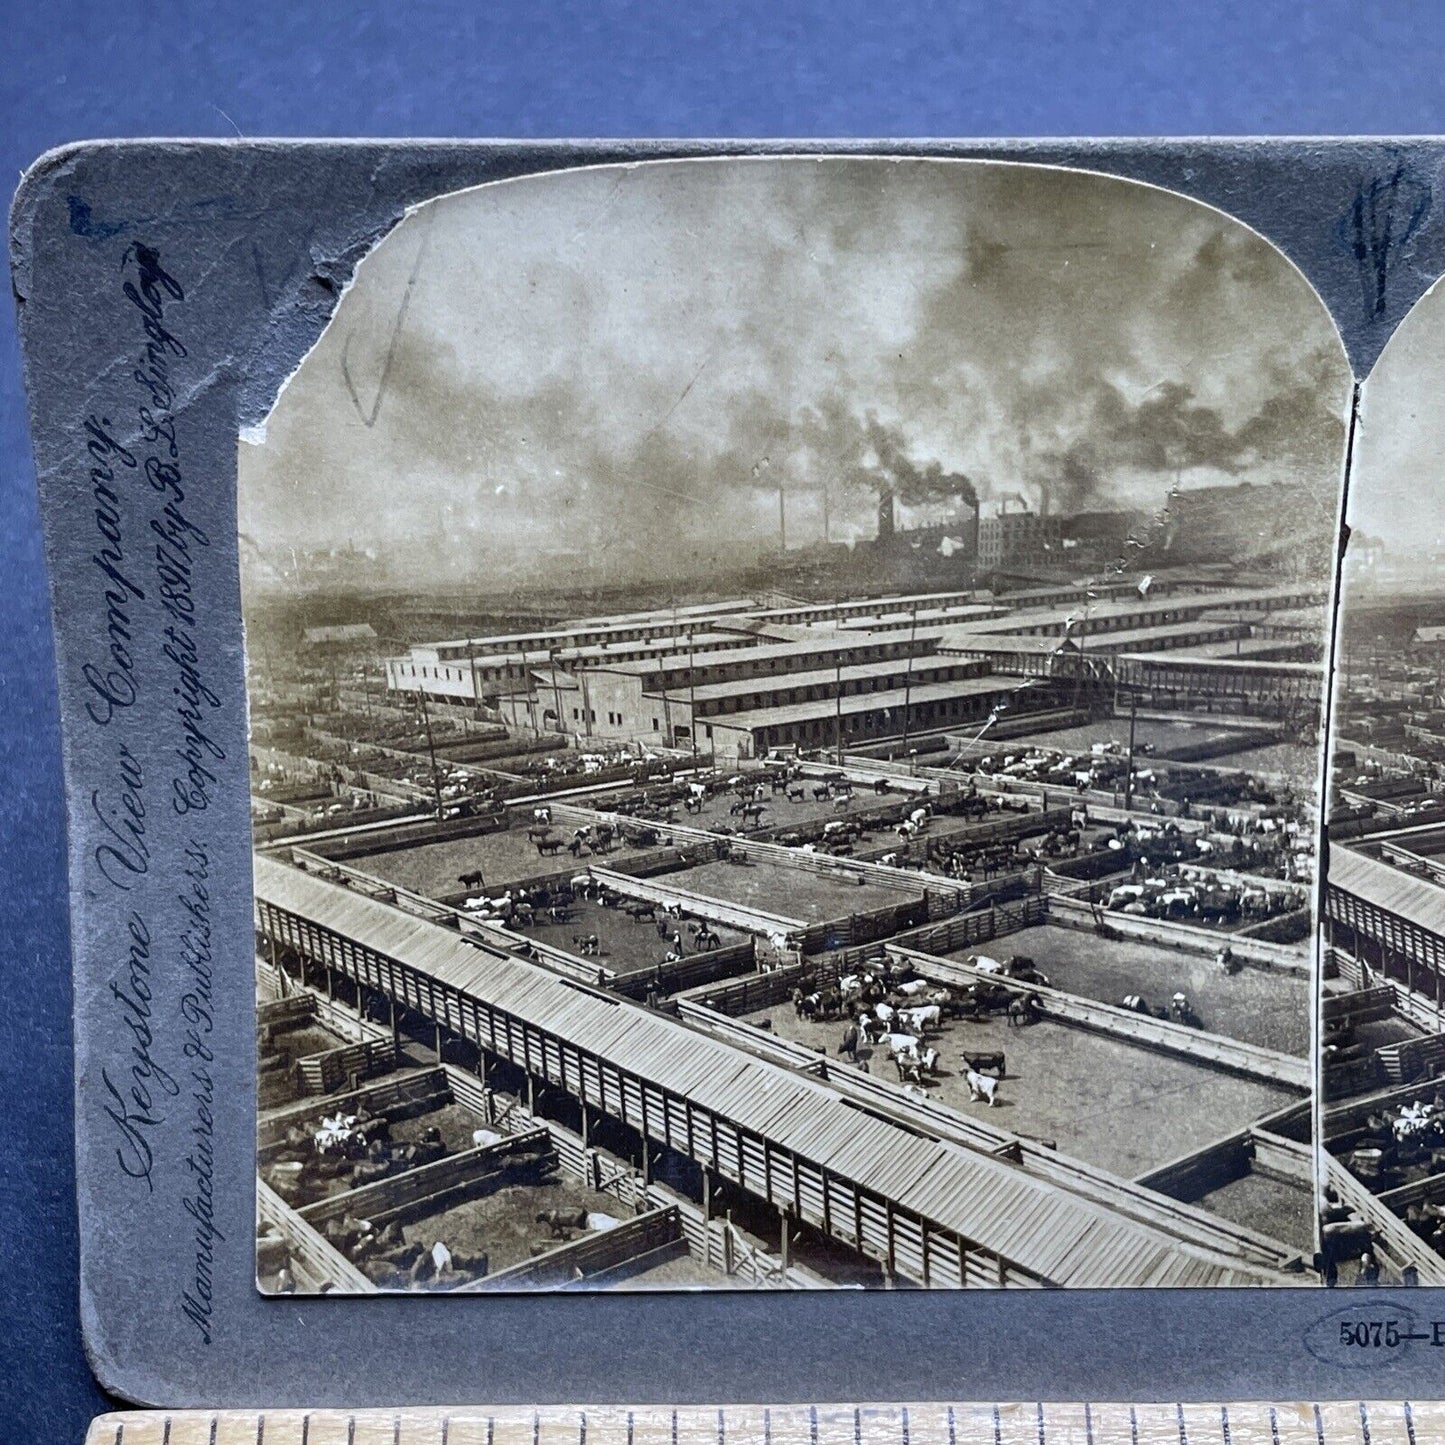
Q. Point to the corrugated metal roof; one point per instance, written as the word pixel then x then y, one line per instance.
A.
pixel 1416 900
pixel 989 1201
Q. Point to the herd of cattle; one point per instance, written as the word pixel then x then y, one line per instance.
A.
pixel 892 1008
pixel 345 1152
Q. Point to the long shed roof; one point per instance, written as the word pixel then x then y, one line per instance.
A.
pixel 1416 900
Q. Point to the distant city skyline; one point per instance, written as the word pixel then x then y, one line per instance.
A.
pixel 632 362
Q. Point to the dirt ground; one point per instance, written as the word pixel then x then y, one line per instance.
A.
pixel 787 892
pixel 1268 1009
pixel 1274 1207
pixel 1122 1108
pixel 624 945
pixel 783 814
pixel 435 869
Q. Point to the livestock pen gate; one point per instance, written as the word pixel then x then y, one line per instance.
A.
pixel 931 1211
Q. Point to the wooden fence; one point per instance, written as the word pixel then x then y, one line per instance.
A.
pixel 314 1261
pixel 326 1072
pixel 1231 1055
pixel 429 1188
pixel 396 1097
pixel 628 1246
pixel 1166 933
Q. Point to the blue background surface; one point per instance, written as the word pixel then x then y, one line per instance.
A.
pixel 842 68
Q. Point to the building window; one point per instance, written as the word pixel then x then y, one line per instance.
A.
pixel 656 726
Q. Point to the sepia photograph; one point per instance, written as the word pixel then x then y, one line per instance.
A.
pixel 1383 1028
pixel 786 705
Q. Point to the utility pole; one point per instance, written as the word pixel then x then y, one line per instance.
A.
pixel 552 654
pixel 472 668
pixel 838 702
pixel 666 704
pixel 692 691
pixel 908 680
pixel 436 785
pixel 512 692
pixel 782 518
pixel 1129 761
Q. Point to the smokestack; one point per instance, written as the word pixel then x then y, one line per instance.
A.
pixel 886 519
pixel 1045 498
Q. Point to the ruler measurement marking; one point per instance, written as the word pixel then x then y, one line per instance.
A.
pixel 1335 1423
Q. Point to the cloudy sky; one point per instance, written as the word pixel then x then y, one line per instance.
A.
pixel 1398 493
pixel 639 358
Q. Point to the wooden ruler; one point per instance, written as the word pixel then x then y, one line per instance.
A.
pixel 1334 1423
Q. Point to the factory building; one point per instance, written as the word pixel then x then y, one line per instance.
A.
pixel 1019 539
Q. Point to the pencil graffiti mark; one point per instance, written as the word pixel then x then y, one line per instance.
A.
pixel 1380 223
pixel 369 414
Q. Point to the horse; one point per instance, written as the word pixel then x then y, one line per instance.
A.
pixel 706 938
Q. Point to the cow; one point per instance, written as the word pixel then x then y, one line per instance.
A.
pixel 587 944
pixel 474 879
pixel 549 846
pixel 989 1063
pixel 1023 1009
pixel 982 1089
pixel 641 911
pixel 922 1018
pixel 797 794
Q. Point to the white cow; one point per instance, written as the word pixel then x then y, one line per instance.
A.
pixel 927 1016
pixel 981 1087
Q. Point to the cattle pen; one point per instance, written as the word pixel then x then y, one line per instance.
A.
pixel 920 1203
